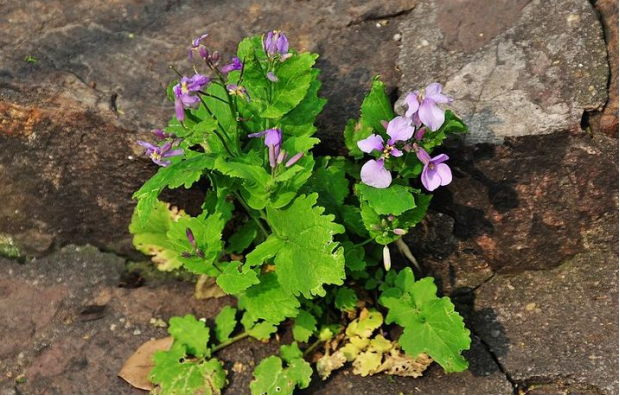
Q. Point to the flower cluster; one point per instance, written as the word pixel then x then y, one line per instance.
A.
pixel 273 141
pixel 407 132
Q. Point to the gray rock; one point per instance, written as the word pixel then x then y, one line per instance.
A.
pixel 555 327
pixel 514 68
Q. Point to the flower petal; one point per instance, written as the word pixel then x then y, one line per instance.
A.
pixel 444 172
pixel 400 129
pixel 396 153
pixel 412 104
pixel 372 142
pixel 430 179
pixel 172 153
pixel 147 145
pixel 440 158
pixel 375 175
pixel 178 107
pixel 422 154
pixel 432 89
pixel 431 115
pixel 273 137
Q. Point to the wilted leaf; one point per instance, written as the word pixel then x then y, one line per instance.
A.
pixel 329 363
pixel 206 288
pixel 137 368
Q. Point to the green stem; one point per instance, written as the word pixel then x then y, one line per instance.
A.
pixel 230 341
pixel 312 347
pixel 224 142
pixel 366 242
pixel 249 212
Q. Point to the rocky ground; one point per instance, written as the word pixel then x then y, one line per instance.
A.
pixel 524 239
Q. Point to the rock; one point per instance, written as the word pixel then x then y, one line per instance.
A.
pixel 558 326
pixel 514 68
pixel 607 120
pixel 531 202
pixel 78 86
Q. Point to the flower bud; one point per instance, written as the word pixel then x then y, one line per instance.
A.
pixel 399 231
pixel 281 157
pixel 294 159
pixel 190 237
pixel 387 259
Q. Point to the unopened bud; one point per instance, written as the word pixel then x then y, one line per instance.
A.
pixel 204 52
pixel 186 254
pixel 399 231
pixel 200 253
pixel 391 218
pixel 420 133
pixel 281 157
pixel 215 57
pixel 190 237
pixel 384 123
pixel 294 159
pixel 387 259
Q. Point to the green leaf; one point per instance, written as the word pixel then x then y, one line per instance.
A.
pixel 175 376
pixel 354 256
pixel 308 109
pixel 308 258
pixel 263 252
pixel 376 107
pixel 273 379
pixel 346 299
pixel 290 352
pixel 257 183
pixel 225 323
pixel 243 238
pixel 305 326
pixel 208 235
pixel 431 325
pixel 234 282
pixel 183 173
pixel 295 76
pixel 329 180
pixel 412 217
pixel 353 133
pixel 269 301
pixel 191 333
pixel 393 200
pixel 262 331
pixel 150 237
pixel 352 218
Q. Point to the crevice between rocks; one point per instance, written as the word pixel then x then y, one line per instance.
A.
pixel 516 387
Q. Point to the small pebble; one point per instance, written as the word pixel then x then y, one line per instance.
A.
pixel 137 332
pixel 530 307
pixel 397 37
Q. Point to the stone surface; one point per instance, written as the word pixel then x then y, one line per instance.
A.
pixel 514 68
pixel 555 327
pixel 96 82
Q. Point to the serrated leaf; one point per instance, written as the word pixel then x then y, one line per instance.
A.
pixel 257 183
pixel 225 323
pixel 290 352
pixel 308 109
pixel 346 299
pixel 262 330
pixel 412 217
pixel 234 281
pixel 177 377
pixel 243 238
pixel 430 323
pixel 352 218
pixel 376 107
pixel 150 237
pixel 308 258
pixel 393 200
pixel 354 256
pixel 271 378
pixel 208 236
pixel 269 301
pixel 353 133
pixel 305 326
pixel 191 333
pixel 329 180
pixel 295 75
pixel 183 173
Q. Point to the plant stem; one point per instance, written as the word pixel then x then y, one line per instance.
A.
pixel 366 242
pixel 312 347
pixel 249 212
pixel 230 341
pixel 224 143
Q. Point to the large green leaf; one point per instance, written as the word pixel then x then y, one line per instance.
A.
pixel 271 378
pixel 308 257
pixel 376 107
pixel 393 200
pixel 191 333
pixel 269 301
pixel 431 325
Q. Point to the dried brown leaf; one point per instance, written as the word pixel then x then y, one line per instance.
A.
pixel 137 368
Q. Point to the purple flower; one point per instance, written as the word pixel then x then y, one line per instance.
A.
pixel 273 140
pixel 183 93
pixel 161 135
pixel 423 109
pixel 190 237
pixel 294 159
pixel 435 172
pixel 234 65
pixel 159 154
pixel 276 44
pixel 373 172
pixel 196 45
pixel 238 90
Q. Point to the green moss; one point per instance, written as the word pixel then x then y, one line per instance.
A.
pixel 9 249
